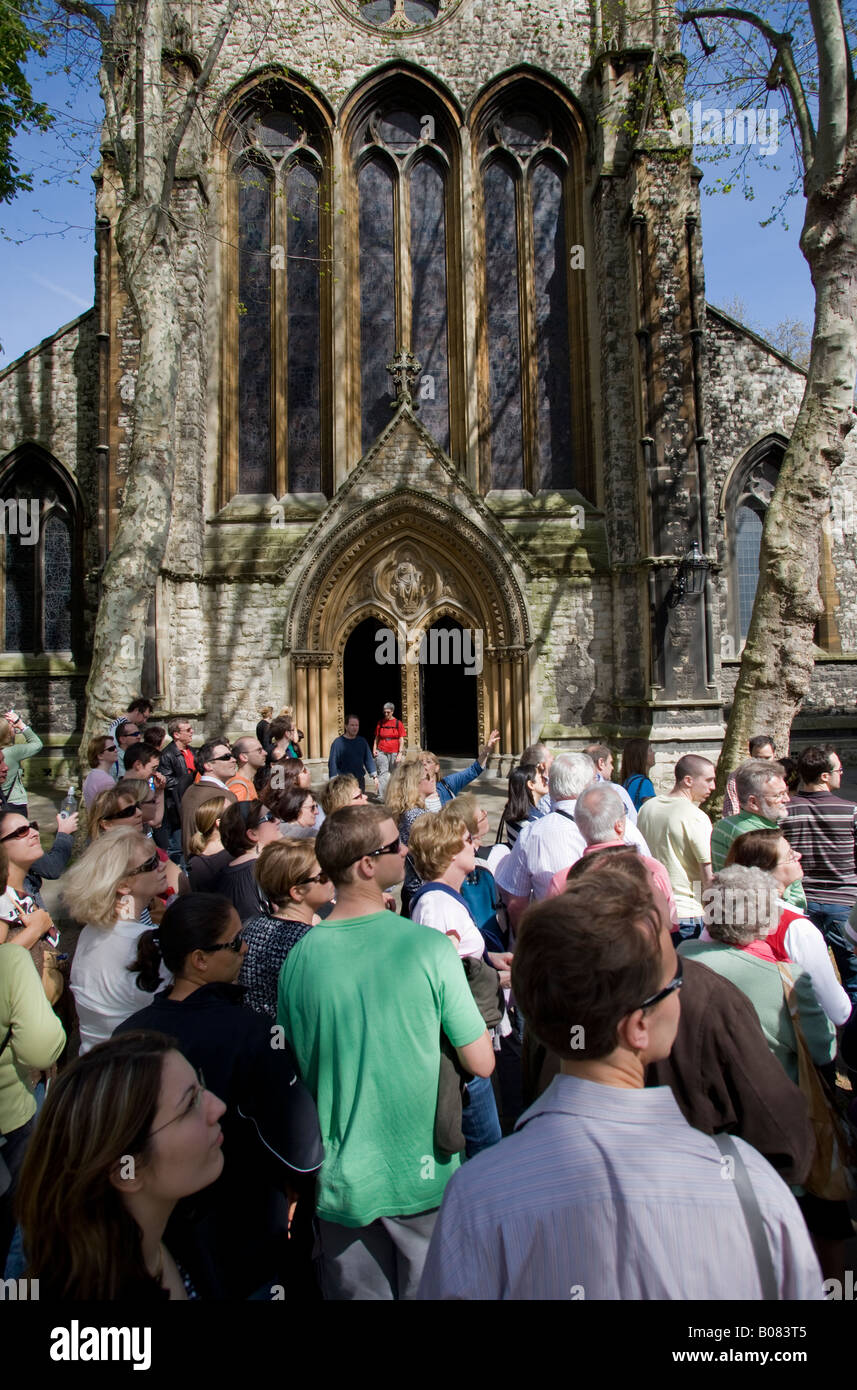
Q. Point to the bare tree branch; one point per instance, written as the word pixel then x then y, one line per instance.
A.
pixel 782 43
pixel 192 100
pixel 832 47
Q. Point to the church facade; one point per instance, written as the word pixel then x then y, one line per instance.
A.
pixel 453 409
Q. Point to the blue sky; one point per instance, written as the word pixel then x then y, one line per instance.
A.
pixel 47 279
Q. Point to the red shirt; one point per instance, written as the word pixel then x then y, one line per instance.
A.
pixel 387 735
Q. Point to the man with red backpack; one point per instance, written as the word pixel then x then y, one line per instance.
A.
pixel 388 746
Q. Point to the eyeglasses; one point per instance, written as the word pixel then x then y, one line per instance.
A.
pixel 223 758
pixel 193 1104
pixel 792 854
pixel 125 814
pixel 111 748
pixel 234 945
pixel 320 877
pixel 468 840
pixel 146 868
pixel 21 832
pixel 392 848
pixel 674 984
pixel 263 820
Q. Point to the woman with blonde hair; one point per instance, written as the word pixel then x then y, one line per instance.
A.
pixel 101 754
pixel 131 805
pixel 14 790
pixel 109 889
pixel 340 791
pixel 292 889
pixel 208 854
pixel 410 786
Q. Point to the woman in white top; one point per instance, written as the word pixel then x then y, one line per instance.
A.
pixel 797 937
pixel 108 889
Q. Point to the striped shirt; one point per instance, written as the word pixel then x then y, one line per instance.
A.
pixel 607 1193
pixel 823 829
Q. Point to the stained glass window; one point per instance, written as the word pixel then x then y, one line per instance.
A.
pixel 748 544
pixel 504 331
pixel 377 294
pixel 254 331
pixel 38 547
pixel 525 179
pixel 403 184
pixel 57 584
pixel 281 332
pixel 551 322
pixel 428 269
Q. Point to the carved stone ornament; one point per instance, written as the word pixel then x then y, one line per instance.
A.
pixel 400 581
pixel 399 17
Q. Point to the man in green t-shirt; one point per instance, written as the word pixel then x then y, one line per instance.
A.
pixel 763 796
pixel 362 1000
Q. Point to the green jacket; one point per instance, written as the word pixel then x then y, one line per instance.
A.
pixel 15 753
pixel 728 829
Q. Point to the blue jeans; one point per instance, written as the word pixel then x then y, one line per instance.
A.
pixel 830 918
pixel 480 1123
pixel 687 929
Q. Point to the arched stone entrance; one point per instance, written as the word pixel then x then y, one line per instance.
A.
pixel 437 589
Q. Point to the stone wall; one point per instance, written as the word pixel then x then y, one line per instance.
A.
pixel 49 397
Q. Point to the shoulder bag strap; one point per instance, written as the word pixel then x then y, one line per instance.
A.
pixel 752 1217
pixel 5 1041
pixel 567 815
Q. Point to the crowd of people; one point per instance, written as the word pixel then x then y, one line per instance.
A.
pixel 437 1063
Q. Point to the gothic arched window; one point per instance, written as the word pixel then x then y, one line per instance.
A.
pixel 277 431
pixel 748 495
pixel 534 356
pixel 406 225
pixel 39 544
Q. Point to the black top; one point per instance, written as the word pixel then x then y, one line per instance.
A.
pixel 203 869
pixel 174 768
pixel 269 940
pixel 238 884
pixel 262 733
pixel 271 1136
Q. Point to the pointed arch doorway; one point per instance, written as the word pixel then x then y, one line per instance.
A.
pixel 415 566
pixel 369 677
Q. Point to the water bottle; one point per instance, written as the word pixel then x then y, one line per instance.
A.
pixel 69 806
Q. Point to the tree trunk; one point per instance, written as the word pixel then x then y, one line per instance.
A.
pixel 778 658
pixel 145 245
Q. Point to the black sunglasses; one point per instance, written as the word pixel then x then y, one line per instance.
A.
pixel 674 984
pixel 392 848
pixel 124 814
pixel 223 758
pixel 146 868
pixel 20 832
pixel 234 945
pixel 320 877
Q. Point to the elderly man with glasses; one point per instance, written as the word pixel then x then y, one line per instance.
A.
pixel 362 999
pixel 215 763
pixel 763 796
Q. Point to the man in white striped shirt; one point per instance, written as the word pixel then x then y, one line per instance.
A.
pixel 604 1191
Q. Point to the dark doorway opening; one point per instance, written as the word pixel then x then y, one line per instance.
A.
pixel 369 683
pixel 448 690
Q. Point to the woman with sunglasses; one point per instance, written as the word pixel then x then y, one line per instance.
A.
pixel 22 907
pixel 272 1144
pixel 245 828
pixel 125 1133
pixel 101 755
pixel 132 804
pixel 109 889
pixel 292 891
pixel 296 809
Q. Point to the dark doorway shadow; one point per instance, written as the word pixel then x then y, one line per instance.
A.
pixel 368 683
pixel 449 696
